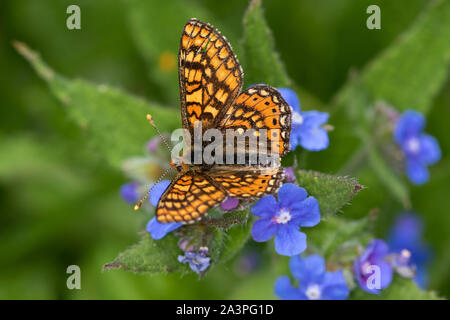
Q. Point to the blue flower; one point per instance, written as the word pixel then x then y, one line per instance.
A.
pixel 283 219
pixel 371 269
pixel 156 229
pixel 315 282
pixel 198 261
pixel 419 149
pixel 405 239
pixel 130 192
pixel 307 128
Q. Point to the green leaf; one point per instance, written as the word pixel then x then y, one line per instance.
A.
pixel 114 122
pixel 332 192
pixel 235 239
pixel 150 256
pixel 399 289
pixel 263 64
pixel 411 71
pixel 156 28
pixel 160 256
pixel 332 233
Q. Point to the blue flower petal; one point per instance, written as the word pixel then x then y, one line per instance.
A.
pixel 289 194
pixel 307 270
pixel 385 274
pixel 314 119
pixel 406 233
pixel 314 139
pixel 295 138
pixel 289 241
pixel 334 286
pixel 430 152
pixel 290 97
pixel 159 230
pixel 379 249
pixel 410 124
pixel 157 191
pixel 285 291
pixel 417 172
pixel 264 229
pixel 266 207
pixel 306 213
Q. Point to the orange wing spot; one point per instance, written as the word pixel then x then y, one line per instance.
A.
pixel 192 87
pixel 204 33
pixel 195 97
pixel 210 87
pixel 223 53
pixel 195 32
pixel 215 62
pixel 231 83
pixel 211 52
pixel 212 110
pixel 188 28
pixel 198 41
pixel 230 64
pixel 238 113
pixel 222 73
pixel 218 44
pixel 208 72
pixel 195 109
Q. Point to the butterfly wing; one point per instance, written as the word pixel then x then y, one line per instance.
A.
pixel 189 196
pixel 247 183
pixel 210 75
pixel 262 107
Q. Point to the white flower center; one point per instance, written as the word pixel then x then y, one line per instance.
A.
pixel 283 217
pixel 365 267
pixel 297 118
pixel 413 145
pixel 313 292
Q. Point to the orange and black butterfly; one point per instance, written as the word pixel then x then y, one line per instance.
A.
pixel 211 79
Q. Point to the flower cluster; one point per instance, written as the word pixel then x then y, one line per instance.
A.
pixel 404 253
pixel 419 149
pixel 198 260
pixel 405 240
pixel 315 282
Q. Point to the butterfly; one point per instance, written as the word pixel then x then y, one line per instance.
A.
pixel 210 80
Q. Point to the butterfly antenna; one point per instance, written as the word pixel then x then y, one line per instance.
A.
pixel 145 196
pixel 150 120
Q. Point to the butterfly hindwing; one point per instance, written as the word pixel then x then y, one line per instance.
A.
pixel 209 73
pixel 189 196
pixel 247 183
pixel 262 107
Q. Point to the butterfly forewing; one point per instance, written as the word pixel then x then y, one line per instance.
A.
pixel 209 73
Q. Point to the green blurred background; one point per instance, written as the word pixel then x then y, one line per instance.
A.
pixel 60 202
